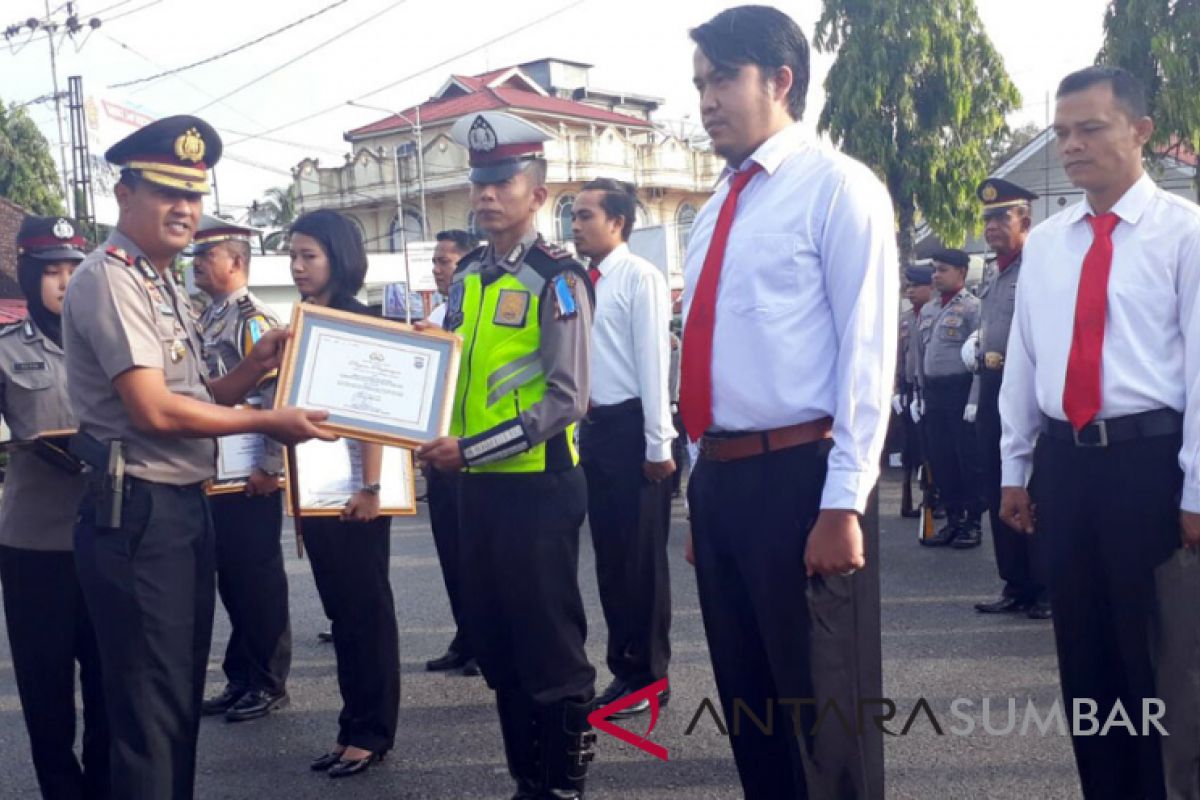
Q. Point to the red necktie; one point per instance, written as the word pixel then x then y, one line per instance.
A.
pixel 1081 393
pixel 594 274
pixel 695 397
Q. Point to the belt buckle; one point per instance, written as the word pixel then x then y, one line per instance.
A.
pixel 1101 426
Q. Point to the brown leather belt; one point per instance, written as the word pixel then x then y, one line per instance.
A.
pixel 734 447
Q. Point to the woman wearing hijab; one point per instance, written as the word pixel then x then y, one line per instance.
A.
pixel 49 631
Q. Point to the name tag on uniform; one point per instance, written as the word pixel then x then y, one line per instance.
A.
pixel 952 321
pixel 511 308
pixel 166 310
pixel 29 366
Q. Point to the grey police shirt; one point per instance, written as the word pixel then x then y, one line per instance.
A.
pixel 997 305
pixel 119 315
pixel 943 330
pixel 223 331
pixel 40 500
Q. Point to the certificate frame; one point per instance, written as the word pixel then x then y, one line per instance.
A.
pixel 51 446
pixel 316 327
pixel 234 482
pixel 396 460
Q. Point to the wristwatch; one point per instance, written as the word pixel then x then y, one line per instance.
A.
pixel 370 488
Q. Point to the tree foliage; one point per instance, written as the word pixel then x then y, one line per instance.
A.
pixel 918 92
pixel 279 208
pixel 1159 42
pixel 27 173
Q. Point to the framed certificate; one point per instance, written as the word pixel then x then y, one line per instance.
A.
pixel 381 381
pixel 323 476
pixel 50 446
pixel 236 457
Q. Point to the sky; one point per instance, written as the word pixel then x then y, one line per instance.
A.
pixel 634 46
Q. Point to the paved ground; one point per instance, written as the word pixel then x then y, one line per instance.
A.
pixel 935 647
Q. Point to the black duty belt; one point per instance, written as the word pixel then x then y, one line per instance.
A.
pixel 1103 432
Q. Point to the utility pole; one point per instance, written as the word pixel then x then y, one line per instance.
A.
pixel 62 140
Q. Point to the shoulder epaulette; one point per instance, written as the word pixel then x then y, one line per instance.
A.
pixel 119 254
pixel 550 261
pixel 553 250
pixel 10 328
pixel 471 258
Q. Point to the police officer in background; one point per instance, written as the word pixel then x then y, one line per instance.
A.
pixel 945 382
pixel 1006 221
pixel 49 630
pixel 249 525
pixel 918 280
pixel 144 543
pixel 523 309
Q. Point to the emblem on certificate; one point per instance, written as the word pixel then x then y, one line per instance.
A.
pixel 381 381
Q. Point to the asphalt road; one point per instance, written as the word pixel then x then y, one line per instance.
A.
pixel 935 647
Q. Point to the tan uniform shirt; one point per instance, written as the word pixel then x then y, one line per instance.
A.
pixel 228 328
pixel 120 314
pixel 40 500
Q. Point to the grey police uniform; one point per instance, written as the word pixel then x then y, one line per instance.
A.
pixel 945 386
pixel 250 571
pixel 41 500
pixel 149 584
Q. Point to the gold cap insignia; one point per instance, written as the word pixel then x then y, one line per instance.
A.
pixel 190 146
pixel 989 193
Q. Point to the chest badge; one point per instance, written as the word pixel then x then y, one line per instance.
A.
pixel 177 351
pixel 511 308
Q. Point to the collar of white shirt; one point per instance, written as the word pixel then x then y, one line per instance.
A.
pixel 613 262
pixel 772 153
pixel 1129 208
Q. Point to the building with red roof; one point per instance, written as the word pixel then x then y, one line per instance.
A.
pixel 594 133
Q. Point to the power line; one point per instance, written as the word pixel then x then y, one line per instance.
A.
pixel 417 74
pixel 231 51
pixel 151 4
pixel 305 54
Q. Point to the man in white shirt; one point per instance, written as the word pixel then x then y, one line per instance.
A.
pixel 791 308
pixel 442 494
pixel 625 442
pixel 1099 403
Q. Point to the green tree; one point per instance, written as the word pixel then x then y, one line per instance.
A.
pixel 278 209
pixel 918 93
pixel 1159 42
pixel 27 173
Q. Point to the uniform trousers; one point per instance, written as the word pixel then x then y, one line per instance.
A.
pixel 443 519
pixel 150 592
pixel 522 608
pixel 952 445
pixel 49 631
pixel 630 519
pixel 1017 555
pixel 253 588
pixel 1125 598
pixel 350 563
pixel 780 641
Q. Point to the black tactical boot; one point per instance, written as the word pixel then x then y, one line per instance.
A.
pixel 566 745
pixel 970 534
pixel 519 727
pixel 948 532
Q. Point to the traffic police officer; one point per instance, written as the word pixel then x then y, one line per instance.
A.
pixel 945 383
pixel 1007 220
pixel 49 630
pixel 250 576
pixel 144 544
pixel 918 279
pixel 523 308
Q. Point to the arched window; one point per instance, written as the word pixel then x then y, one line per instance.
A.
pixel 684 218
pixel 562 217
pixel 412 229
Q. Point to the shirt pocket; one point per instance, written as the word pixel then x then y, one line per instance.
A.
pixel 173 342
pixel 767 274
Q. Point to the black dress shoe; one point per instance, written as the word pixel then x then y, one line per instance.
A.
pixel 222 702
pixel 256 704
pixel 325 637
pixel 1040 610
pixel 344 768
pixel 1005 605
pixel 451 660
pixel 471 668
pixel 970 534
pixel 618 689
pixel 945 535
pixel 322 763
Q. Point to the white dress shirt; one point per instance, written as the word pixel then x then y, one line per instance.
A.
pixel 437 316
pixel 807 305
pixel 631 345
pixel 1151 355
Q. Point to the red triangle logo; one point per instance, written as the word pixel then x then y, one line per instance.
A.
pixel 599 719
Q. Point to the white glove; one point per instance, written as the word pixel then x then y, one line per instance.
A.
pixel 970 412
pixel 916 409
pixel 970 352
pixel 897 405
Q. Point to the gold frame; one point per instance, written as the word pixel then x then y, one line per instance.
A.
pixel 291 495
pixel 287 372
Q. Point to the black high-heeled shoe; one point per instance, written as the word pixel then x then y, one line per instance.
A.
pixel 344 768
pixel 322 763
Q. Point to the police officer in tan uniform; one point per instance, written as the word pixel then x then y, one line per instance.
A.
pixel 144 541
pixel 944 325
pixel 250 576
pixel 49 630
pixel 918 279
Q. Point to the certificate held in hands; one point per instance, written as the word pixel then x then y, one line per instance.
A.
pixel 380 381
